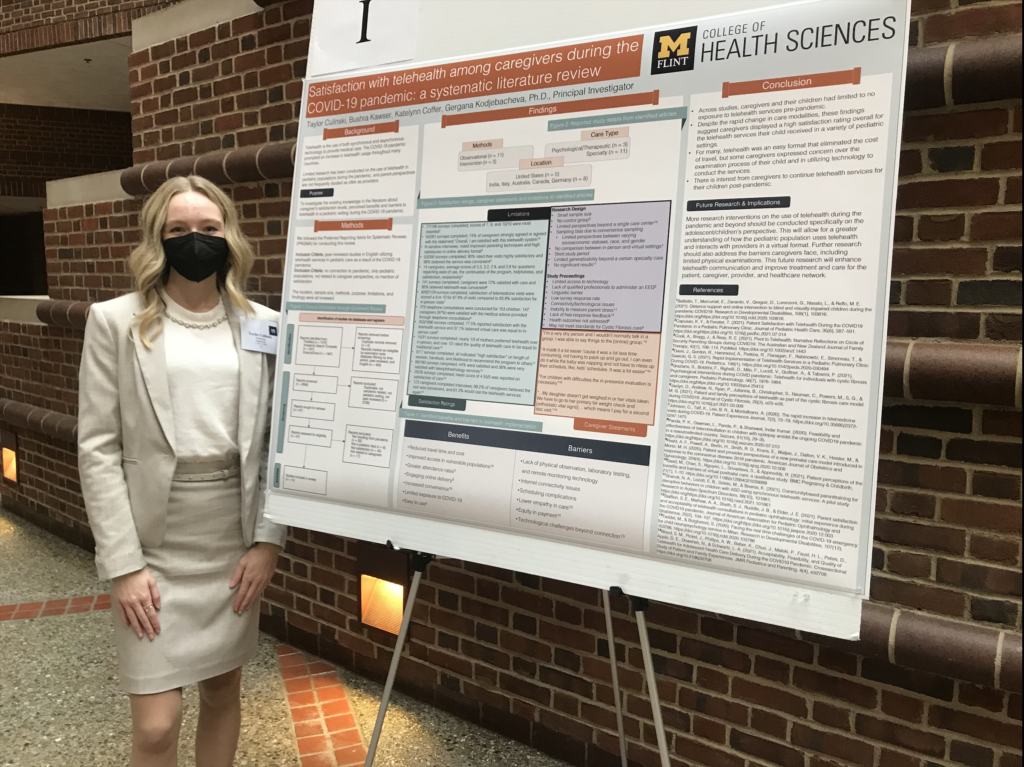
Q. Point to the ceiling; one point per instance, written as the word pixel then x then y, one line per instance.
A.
pixel 86 76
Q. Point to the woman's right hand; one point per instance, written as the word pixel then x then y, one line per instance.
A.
pixel 138 598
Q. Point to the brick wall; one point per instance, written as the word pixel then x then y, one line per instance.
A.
pixel 27 25
pixel 39 365
pixel 48 492
pixel 942 21
pixel 45 143
pixel 87 246
pixel 236 84
pixel 527 656
pixel 957 263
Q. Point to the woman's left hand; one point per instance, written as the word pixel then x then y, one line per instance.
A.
pixel 253 573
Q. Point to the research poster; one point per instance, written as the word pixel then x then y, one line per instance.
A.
pixel 625 293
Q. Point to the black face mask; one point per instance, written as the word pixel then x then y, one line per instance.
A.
pixel 195 256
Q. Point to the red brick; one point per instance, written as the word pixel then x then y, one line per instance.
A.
pixel 977 577
pixel 951 126
pixel 980 727
pixel 1003 423
pixel 904 229
pixel 910 738
pixel 941 228
pixel 1012 196
pixel 995 549
pixel 205 37
pixel 715 655
pixel 835 687
pixel 917 595
pixel 1000 517
pixel 913 504
pixel 948 193
pixel 849 750
pixel 831 716
pixel 704 754
pixel 277 74
pixel 769 697
pixel 776 753
pixel 902 706
pixel 922 536
pixel 908 564
pixel 943 478
pixel 981 697
pixel 1001 155
pixel 517 686
pixel 973 22
pixel 996 226
pixel 910 162
pixel 929 293
pixel 768 723
pixel 939 261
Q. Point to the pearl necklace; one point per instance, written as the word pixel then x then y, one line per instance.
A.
pixel 195 325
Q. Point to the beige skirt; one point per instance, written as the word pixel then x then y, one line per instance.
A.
pixel 200 636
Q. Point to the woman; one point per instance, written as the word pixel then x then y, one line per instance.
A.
pixel 173 414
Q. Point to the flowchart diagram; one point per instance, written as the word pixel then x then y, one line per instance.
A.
pixel 343 396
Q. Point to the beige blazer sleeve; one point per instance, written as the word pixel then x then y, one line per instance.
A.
pixel 118 550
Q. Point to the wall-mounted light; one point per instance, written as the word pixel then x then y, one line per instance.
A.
pixel 383 585
pixel 9 454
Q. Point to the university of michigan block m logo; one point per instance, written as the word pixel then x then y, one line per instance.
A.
pixel 671 50
pixel 678 47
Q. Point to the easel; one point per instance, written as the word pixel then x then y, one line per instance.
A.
pixel 419 564
pixel 640 605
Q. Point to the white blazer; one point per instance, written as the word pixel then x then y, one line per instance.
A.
pixel 126 450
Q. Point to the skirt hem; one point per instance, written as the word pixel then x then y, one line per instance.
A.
pixel 183 677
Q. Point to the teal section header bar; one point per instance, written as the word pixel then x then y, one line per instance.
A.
pixel 622 118
pixel 439 416
pixel 526 198
pixel 310 306
pixel 286 378
pixel 288 345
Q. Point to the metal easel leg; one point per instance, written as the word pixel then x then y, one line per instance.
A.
pixel 420 562
pixel 639 607
pixel 615 677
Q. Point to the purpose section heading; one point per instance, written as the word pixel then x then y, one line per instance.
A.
pixel 588 62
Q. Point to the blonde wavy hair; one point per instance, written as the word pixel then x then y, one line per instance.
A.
pixel 149 266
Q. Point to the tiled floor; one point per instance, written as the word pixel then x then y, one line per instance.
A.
pixel 61 703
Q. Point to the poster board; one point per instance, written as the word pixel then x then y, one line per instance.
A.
pixel 610 310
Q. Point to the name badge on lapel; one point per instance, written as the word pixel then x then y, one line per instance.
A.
pixel 259 335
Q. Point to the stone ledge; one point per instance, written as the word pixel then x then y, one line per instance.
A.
pixel 979 374
pixel 262 162
pixel 971 72
pixel 39 420
pixel 972 653
pixel 65 314
pixel 82 190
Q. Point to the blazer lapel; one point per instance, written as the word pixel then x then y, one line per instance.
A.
pixel 153 362
pixel 250 368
